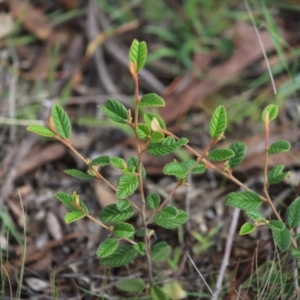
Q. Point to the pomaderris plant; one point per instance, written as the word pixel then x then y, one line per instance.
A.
pixel 152 136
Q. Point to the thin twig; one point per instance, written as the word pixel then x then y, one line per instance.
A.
pixel 228 247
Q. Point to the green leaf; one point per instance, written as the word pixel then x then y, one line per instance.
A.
pixel 167 223
pixel 220 154
pixel 124 230
pixel 198 169
pixel 255 215
pixel 133 162
pixel 279 146
pixel 131 285
pixel 218 122
pixel 153 200
pixel 68 201
pixel 276 225
pixel 123 204
pixel 118 162
pixel 111 214
pixel 157 137
pixel 175 169
pixel 73 216
pixel 295 252
pixel 247 228
pixel 169 212
pixel 156 293
pixel 244 200
pixel 107 247
pixel 139 248
pixel 115 110
pixel 138 53
pixel 148 117
pixel 100 161
pixel 151 100
pixel 293 214
pixel 282 238
pixel 160 251
pixel 61 121
pixel 167 146
pixel 41 130
pixel 271 110
pixel 239 150
pixel 276 175
pixel 122 256
pixel 78 174
pixel 143 131
pixel 127 185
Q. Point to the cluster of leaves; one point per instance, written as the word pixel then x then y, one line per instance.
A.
pixel 152 136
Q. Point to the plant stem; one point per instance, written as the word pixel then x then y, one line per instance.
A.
pixel 141 185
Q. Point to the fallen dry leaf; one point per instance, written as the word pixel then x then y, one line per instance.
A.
pixel 32 18
pixel 247 50
pixel 39 156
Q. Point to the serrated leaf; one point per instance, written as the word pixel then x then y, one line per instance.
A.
pixel 279 146
pixel 276 225
pixel 282 238
pixel 255 215
pixel 127 185
pixel 271 110
pixel 277 175
pixel 175 169
pixel 157 137
pixel 220 154
pixel 168 212
pixel 239 150
pixel 68 201
pixel 247 228
pixel 131 285
pixel 151 100
pixel 123 204
pixel 138 53
pixel 133 162
pixel 180 219
pixel 160 251
pixel 100 161
pixel 122 256
pixel 107 247
pixel 198 169
pixel 111 214
pixel 167 146
pixel 139 247
pixel 41 130
pixel 61 121
pixel 148 117
pixel 218 122
pixel 293 213
pixel 124 230
pixel 156 293
pixel 243 200
pixel 73 216
pixel 143 131
pixel 115 110
pixel 153 200
pixel 78 174
pixel 118 162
